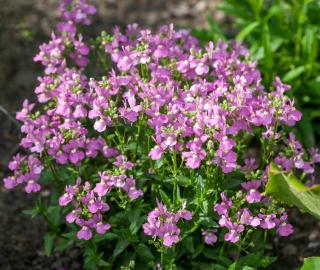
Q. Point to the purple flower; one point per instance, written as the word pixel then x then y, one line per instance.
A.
pixel 10 182
pixel 85 233
pixel 202 69
pixel 102 228
pixel 222 208
pixel 163 224
pixel 267 221
pixel 32 186
pixel 233 235
pixel 252 194
pixel 72 216
pixel 210 236
pixel 246 218
pixel 161 52
pixel 156 153
pixel 285 229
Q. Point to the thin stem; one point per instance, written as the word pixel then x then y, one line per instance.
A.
pixel 222 248
pixel 175 183
pixel 162 260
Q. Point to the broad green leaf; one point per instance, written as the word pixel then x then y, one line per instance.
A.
pixel 294 73
pixel 144 251
pixel 312 263
pixel 246 31
pixel 120 246
pixel 48 243
pixel 288 189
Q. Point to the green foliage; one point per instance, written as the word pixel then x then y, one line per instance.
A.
pixel 312 263
pixel 290 190
pixel 48 243
pixel 284 36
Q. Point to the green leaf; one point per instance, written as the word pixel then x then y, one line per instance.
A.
pixel 62 244
pixel 120 247
pixel 188 245
pixel 70 235
pixel 135 220
pixel 53 215
pixel 198 250
pixel 144 251
pixel 109 236
pixel 246 31
pixel 293 74
pixel 48 243
pixel 164 197
pixel 184 181
pixel 288 189
pixel 312 263
pixel 209 253
pixel 31 212
pixel 103 263
pixel 306 131
pixel 274 11
pixel 266 43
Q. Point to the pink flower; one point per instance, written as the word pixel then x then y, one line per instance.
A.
pixel 222 208
pixel 285 229
pixel 234 232
pixel 210 236
pixel 85 233
pixel 252 194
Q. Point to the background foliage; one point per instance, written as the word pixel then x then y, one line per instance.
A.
pixel 283 35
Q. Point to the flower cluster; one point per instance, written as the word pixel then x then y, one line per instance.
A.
pixel 293 156
pixel 88 209
pixel 237 217
pixel 128 184
pixel 162 116
pixel 163 224
pixel 27 170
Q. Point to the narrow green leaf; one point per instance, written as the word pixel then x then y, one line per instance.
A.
pixel 144 251
pixel 274 11
pixel 48 243
pixel 62 244
pixel 266 43
pixel 164 197
pixel 293 74
pixel 120 247
pixel 31 212
pixel 102 262
pixel 288 189
pixel 109 236
pixel 306 131
pixel 246 31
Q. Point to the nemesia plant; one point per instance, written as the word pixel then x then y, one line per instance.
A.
pixel 155 150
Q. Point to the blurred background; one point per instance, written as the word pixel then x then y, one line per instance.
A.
pixel 283 35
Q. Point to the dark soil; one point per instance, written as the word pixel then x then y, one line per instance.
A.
pixel 24 25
